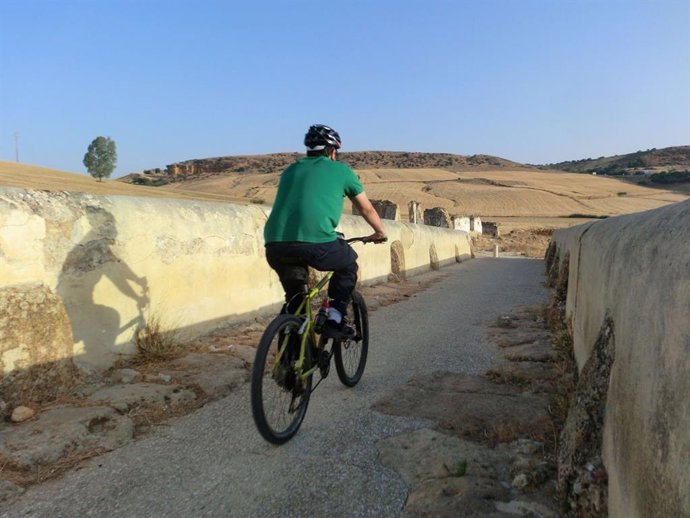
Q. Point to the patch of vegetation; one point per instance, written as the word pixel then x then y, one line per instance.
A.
pixel 459 469
pixel 150 182
pixel 258 201
pixel 669 177
pixel 586 216
pixel 561 400
pixel 502 432
pixel 154 342
pixel 622 193
pixel 622 164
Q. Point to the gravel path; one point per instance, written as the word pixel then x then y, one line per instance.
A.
pixel 214 463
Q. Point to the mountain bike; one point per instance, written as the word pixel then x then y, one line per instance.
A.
pixel 292 350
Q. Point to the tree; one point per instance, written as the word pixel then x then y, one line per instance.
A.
pixel 101 157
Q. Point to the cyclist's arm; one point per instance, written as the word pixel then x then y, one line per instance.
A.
pixel 368 212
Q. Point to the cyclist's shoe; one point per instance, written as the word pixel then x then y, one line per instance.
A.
pixel 339 331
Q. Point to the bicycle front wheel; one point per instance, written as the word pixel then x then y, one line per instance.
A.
pixel 279 396
pixel 351 355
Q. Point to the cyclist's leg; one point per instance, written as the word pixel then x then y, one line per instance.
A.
pixel 288 262
pixel 341 259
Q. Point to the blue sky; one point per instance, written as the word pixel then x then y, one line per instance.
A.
pixel 529 80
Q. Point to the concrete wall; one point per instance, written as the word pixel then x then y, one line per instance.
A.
pixel 631 275
pixel 114 262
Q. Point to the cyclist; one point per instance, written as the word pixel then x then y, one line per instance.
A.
pixel 300 230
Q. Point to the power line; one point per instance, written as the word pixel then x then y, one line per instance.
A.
pixel 16 146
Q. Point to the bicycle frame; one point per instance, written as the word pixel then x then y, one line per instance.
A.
pixel 306 330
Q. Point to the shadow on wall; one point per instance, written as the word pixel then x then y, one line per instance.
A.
pixel 92 268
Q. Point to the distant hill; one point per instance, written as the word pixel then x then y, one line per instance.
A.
pixel 276 162
pixel 653 160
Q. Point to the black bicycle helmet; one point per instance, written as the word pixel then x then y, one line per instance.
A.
pixel 320 137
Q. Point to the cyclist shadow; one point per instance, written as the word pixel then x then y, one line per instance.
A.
pixel 97 327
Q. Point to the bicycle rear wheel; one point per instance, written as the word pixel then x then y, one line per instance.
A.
pixel 279 397
pixel 351 355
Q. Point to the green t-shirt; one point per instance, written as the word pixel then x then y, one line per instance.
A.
pixel 309 201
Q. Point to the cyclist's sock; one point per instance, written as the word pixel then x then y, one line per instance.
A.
pixel 335 315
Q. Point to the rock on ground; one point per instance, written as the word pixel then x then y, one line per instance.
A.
pixel 452 477
pixel 125 376
pixel 215 373
pixel 9 490
pixel 21 414
pixel 469 406
pixel 127 397
pixel 62 431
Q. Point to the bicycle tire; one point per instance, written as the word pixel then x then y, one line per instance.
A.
pixel 269 386
pixel 351 355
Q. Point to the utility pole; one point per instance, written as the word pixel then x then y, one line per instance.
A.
pixel 16 146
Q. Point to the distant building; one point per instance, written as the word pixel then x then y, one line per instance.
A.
pixel 461 223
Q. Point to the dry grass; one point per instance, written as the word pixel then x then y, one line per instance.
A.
pixel 502 432
pixel 26 478
pixel 528 242
pixel 157 342
pixel 40 384
pixel 147 417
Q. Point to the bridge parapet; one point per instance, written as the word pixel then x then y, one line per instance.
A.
pixel 628 294
pixel 108 264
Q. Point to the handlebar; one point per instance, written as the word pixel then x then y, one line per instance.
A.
pixel 366 239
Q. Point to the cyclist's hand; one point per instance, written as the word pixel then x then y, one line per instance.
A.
pixel 376 237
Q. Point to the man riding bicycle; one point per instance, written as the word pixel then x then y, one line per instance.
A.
pixel 300 230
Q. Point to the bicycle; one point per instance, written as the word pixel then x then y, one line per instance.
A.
pixel 292 350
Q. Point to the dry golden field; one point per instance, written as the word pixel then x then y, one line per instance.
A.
pixel 42 178
pixel 516 199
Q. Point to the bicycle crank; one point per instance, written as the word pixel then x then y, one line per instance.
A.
pixel 324 362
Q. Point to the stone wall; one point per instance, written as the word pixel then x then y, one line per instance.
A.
pixel 628 295
pixel 386 209
pixel 414 212
pixel 490 228
pixel 109 264
pixel 437 217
